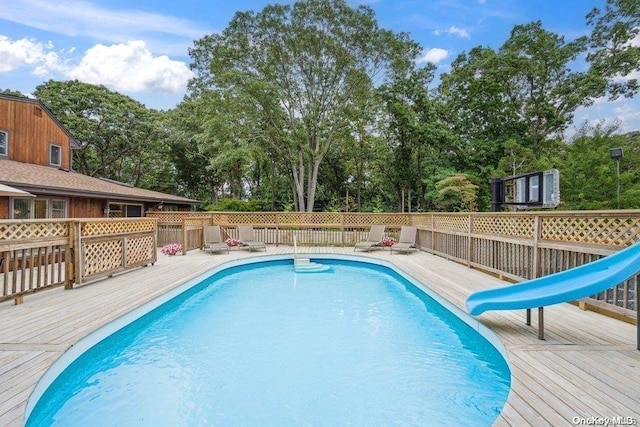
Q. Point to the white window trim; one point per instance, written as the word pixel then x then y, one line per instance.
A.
pixel 59 155
pixel 6 143
pixel 49 207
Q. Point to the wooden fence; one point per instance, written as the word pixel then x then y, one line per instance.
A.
pixel 39 254
pixel 513 245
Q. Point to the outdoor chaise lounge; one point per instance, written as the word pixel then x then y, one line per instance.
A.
pixel 213 239
pixel 407 240
pixel 376 233
pixel 247 239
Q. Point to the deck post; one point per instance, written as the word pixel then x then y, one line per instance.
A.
pixel 637 290
pixel 541 323
pixel 528 317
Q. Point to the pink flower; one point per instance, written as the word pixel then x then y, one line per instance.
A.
pixel 232 242
pixel 171 249
pixel 388 241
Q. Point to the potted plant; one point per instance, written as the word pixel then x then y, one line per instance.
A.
pixel 231 242
pixel 171 249
pixel 388 241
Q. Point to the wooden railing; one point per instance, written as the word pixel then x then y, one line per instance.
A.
pixel 39 254
pixel 513 245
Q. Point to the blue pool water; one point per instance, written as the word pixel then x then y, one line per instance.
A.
pixel 262 345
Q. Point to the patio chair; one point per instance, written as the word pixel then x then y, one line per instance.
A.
pixel 213 239
pixel 247 239
pixel 376 233
pixel 407 240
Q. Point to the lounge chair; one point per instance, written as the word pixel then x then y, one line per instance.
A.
pixel 213 239
pixel 247 240
pixel 407 240
pixel 376 233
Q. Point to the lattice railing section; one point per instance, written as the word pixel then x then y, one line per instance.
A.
pixel 255 218
pixel 112 246
pixel 117 226
pixel 309 218
pixel 504 225
pixel 101 257
pixel 611 231
pixel 33 230
pixel 139 250
pixel 451 222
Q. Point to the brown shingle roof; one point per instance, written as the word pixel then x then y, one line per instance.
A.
pixel 44 180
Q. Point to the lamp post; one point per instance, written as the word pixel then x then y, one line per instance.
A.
pixel 616 154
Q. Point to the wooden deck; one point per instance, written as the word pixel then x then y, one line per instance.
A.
pixel 588 366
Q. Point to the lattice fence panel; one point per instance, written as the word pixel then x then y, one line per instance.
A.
pixel 139 250
pixel 516 226
pixel 451 222
pixel 33 230
pixel 612 231
pixel 176 217
pixel 367 219
pixel 425 220
pixel 107 227
pixel 315 218
pixel 102 256
pixel 251 218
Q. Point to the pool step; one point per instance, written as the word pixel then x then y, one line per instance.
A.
pixel 305 265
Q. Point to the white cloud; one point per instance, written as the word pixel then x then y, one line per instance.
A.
pixel 131 67
pixel 460 32
pixel 453 30
pixel 77 18
pixel 433 55
pixel 27 52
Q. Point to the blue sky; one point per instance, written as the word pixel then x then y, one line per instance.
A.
pixel 140 48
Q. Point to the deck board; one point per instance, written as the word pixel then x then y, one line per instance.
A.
pixel 587 365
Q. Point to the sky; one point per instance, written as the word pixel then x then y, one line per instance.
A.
pixel 140 48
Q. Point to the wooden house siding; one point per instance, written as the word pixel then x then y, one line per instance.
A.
pixel 80 207
pixel 31 131
pixel 4 207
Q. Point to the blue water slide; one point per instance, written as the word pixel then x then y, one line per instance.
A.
pixel 569 285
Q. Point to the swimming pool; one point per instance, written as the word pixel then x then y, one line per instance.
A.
pixel 258 344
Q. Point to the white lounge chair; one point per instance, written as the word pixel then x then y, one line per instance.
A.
pixel 407 240
pixel 247 239
pixel 376 233
pixel 213 239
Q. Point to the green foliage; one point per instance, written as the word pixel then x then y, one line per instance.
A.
pixel 311 105
pixel 121 139
pixel 13 92
pixel 236 205
pixel 588 175
pixel 457 193
pixel 297 73
pixel 613 54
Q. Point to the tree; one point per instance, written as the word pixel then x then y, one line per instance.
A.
pixel 298 68
pixel 615 52
pixel 589 175
pixel 121 139
pixel 457 193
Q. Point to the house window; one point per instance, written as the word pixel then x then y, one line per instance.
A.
pixel 55 155
pixel 117 210
pixel 38 208
pixel 4 143
pixel 58 209
pixel 21 208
